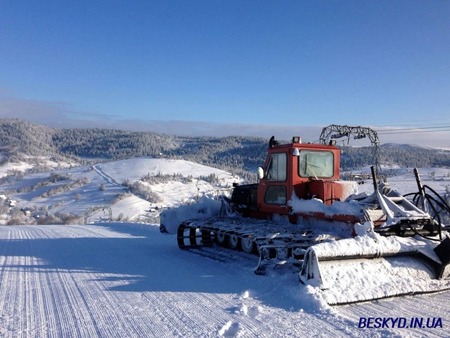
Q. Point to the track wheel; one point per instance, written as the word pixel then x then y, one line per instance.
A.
pixel 221 238
pixel 247 244
pixel 282 253
pixel 233 241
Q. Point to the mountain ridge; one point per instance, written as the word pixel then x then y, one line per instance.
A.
pixel 237 154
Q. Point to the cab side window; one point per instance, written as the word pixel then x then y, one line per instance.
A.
pixel 276 170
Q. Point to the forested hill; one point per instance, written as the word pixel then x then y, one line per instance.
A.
pixel 236 154
pixel 403 155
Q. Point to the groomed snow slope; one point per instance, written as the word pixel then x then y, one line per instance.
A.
pixel 128 280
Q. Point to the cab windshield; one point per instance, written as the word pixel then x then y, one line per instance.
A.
pixel 316 164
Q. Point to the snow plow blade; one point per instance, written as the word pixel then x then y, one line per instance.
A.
pixel 373 267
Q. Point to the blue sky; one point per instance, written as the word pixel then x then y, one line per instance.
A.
pixel 209 66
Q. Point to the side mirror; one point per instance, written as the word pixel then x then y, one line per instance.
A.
pixel 260 173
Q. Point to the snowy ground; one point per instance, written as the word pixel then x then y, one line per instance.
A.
pixel 101 184
pixel 128 280
pixel 403 179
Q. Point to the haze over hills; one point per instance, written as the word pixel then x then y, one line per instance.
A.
pixel 24 141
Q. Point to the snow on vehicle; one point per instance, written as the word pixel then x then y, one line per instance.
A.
pixel 352 246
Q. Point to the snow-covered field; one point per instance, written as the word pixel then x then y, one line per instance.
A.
pixel 124 279
pixel 84 188
pixel 128 280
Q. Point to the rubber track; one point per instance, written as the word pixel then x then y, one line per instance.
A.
pixel 274 243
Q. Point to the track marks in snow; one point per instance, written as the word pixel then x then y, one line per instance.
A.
pixel 119 280
pixel 46 298
pixel 41 300
pixel 73 281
